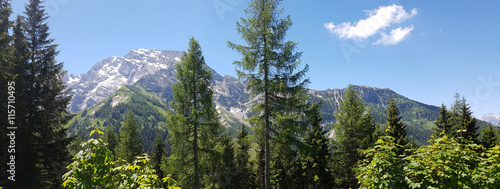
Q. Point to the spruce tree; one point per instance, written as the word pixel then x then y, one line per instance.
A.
pixel 130 144
pixel 467 123
pixel 396 127
pixel 455 116
pixel 354 130
pixel 489 137
pixel 194 125
pixel 43 99
pixel 316 156
pixel 27 173
pixel 157 155
pixel 242 158
pixel 270 65
pixel 111 138
pixel 222 172
pixel 6 52
pixel 443 123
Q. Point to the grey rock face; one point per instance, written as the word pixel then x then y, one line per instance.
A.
pixel 109 74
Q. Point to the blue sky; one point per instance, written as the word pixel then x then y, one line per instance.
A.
pixel 425 51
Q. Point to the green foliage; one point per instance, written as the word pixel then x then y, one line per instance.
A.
pixel 242 160
pixel 395 127
pixel 444 164
pixel 270 64
pixel 94 167
pixel 158 154
pixel 130 141
pixel 40 94
pixel 443 123
pixel 383 166
pixel 6 75
pixel 143 105
pixel 487 175
pixel 314 159
pixel 468 123
pixel 194 125
pixel 353 133
pixel 418 117
pixel 464 123
pixel 111 138
pixel 221 165
pixel 489 138
pixel 74 147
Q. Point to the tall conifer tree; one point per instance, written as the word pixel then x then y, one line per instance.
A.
pixel 43 99
pixel 157 155
pixel 130 144
pixel 467 125
pixel 353 133
pixel 270 65
pixel 194 126
pixel 111 138
pixel 396 127
pixel 6 53
pixel 316 156
pixel 489 137
pixel 242 157
pixel 443 123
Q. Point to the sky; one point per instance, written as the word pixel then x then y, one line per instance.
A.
pixel 426 51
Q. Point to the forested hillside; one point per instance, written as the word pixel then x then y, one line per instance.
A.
pixel 165 119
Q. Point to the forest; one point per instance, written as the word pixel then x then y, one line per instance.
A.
pixel 285 146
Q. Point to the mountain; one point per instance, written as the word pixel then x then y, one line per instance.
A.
pixel 141 81
pixel 492 119
pixel 109 74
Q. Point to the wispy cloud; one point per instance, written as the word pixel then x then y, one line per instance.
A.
pixel 378 20
pixel 396 36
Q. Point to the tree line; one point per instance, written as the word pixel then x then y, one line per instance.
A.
pixel 289 147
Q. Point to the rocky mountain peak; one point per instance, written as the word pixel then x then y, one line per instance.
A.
pixel 109 74
pixel 492 119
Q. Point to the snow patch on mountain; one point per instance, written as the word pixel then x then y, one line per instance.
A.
pixel 111 73
pixel 492 118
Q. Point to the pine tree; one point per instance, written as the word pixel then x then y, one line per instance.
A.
pixel 223 170
pixel 270 65
pixel 354 130
pixel 6 52
pixel 455 116
pixel 43 99
pixel 284 164
pixel 27 173
pixel 194 126
pixel 130 144
pixel 467 123
pixel 111 138
pixel 157 155
pixel 443 123
pixel 396 127
pixel 259 171
pixel 489 138
pixel 242 158
pixel 315 158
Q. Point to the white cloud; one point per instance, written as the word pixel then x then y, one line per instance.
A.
pixel 378 19
pixel 396 36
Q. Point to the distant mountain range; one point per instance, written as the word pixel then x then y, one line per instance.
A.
pixel 492 119
pixel 141 81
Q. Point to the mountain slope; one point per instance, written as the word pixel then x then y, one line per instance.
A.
pixel 492 119
pixel 111 73
pixel 141 81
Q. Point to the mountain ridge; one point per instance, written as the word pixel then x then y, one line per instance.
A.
pixel 144 78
